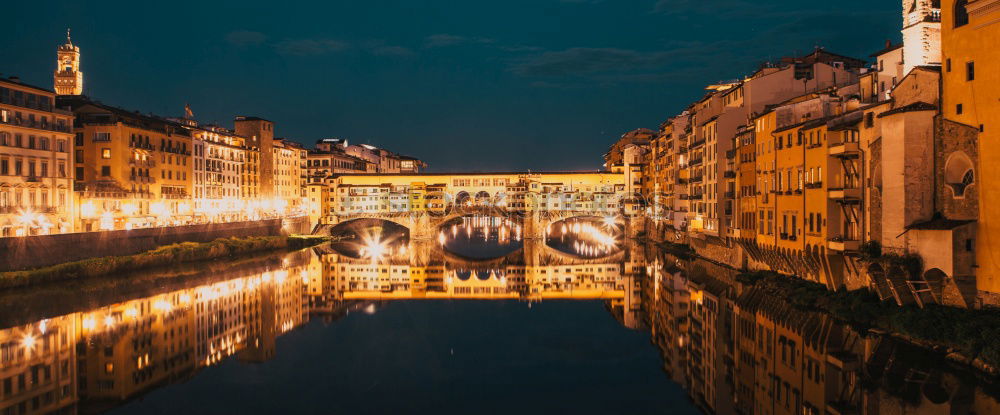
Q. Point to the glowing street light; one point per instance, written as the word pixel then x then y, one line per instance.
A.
pixel 28 341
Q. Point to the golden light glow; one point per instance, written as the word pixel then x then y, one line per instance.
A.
pixel 28 341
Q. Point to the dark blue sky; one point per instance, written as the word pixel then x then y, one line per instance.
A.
pixel 465 85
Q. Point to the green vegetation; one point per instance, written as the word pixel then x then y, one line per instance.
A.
pixel 162 256
pixel 973 333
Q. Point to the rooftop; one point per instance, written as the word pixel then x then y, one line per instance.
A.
pixel 13 80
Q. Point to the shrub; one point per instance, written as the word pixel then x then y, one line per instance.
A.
pixel 161 256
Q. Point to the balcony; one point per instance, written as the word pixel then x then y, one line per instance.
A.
pixel 844 149
pixel 844 195
pixel 843 245
pixel 696 179
pixel 144 146
pixel 729 174
pixel 695 161
pixel 142 179
pixel 814 185
pixel 730 194
pixel 142 163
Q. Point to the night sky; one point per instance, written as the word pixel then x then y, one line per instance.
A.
pixel 464 85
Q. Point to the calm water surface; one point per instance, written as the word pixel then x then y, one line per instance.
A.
pixel 476 321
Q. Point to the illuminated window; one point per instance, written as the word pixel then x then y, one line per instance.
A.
pixel 105 153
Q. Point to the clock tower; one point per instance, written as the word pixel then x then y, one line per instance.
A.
pixel 68 78
pixel 921 33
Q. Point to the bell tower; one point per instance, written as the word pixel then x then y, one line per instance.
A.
pixel 921 33
pixel 68 79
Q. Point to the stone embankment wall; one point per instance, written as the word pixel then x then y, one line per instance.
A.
pixel 19 253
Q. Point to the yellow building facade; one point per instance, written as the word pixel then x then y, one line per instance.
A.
pixel 131 170
pixel 970 85
pixel 36 180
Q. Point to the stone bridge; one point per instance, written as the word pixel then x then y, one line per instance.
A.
pixel 424 225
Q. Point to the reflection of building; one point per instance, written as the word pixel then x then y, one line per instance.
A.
pixel 744 350
pixel 38 367
pixel 130 347
pixel 713 335
pixel 36 183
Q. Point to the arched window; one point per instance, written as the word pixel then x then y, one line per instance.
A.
pixel 961 15
pixel 958 173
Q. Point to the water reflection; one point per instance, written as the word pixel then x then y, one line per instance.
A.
pixel 587 237
pixel 732 349
pixel 371 239
pixel 739 349
pixel 480 237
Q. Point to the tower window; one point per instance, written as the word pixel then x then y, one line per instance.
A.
pixel 947 65
pixel 970 71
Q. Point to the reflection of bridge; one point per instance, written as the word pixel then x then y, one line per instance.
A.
pixel 426 271
pixel 534 252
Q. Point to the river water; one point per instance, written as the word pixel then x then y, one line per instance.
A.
pixel 478 320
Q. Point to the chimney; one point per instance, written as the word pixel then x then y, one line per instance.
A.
pixel 888 43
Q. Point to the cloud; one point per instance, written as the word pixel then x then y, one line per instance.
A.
pixel 441 40
pixel 580 61
pixel 245 37
pixel 391 51
pixel 309 47
pixel 719 8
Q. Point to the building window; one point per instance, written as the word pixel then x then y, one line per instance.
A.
pixel 947 65
pixel 961 14
pixel 958 109
pixel 106 171
pixel 105 153
pixel 958 173
pixel 970 71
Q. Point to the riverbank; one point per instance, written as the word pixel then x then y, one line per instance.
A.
pixel 184 252
pixel 965 336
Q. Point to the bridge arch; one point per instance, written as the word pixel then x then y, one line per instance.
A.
pixel 363 221
pixel 482 198
pixel 462 198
